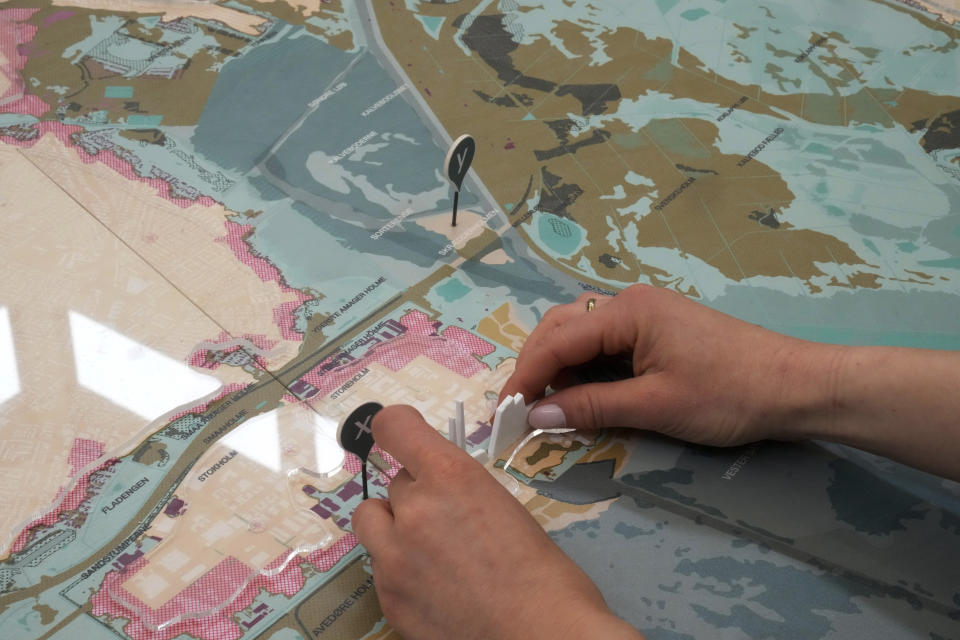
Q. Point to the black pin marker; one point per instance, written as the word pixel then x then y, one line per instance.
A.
pixel 355 435
pixel 458 161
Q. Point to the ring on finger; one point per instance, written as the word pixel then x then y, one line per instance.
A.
pixel 591 304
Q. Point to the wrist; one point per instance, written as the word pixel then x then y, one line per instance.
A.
pixel 807 381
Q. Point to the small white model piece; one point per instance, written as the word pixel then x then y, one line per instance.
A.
pixel 461 427
pixel 452 431
pixel 509 423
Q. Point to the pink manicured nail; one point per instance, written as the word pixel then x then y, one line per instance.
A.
pixel 547 416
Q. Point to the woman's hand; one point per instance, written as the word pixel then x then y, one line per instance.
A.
pixel 456 556
pixel 698 374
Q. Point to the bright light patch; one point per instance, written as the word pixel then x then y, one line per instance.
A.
pixel 329 455
pixel 9 376
pixel 258 439
pixel 131 375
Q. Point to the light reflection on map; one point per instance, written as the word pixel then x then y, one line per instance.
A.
pixel 252 189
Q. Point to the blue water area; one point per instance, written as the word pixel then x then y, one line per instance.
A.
pixel 399 157
pixel 816 147
pixel 948 263
pixel 431 25
pixel 452 290
pixel 866 336
pixel 907 247
pixel 561 236
pixel 136 120
pixel 529 116
pixel 258 96
pixel 666 5
pixel 694 14
pixel 118 92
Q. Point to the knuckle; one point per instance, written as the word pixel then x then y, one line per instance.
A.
pixel 551 317
pixel 444 467
pixel 591 408
pixel 638 291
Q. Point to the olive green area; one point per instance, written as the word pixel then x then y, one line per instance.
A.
pixel 79 88
pixel 344 607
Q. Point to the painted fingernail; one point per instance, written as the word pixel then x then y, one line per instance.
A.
pixel 547 416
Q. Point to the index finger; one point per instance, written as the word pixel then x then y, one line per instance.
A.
pixel 403 433
pixel 608 330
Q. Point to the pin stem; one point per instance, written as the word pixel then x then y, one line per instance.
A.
pixel 364 476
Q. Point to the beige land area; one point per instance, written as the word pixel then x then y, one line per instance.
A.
pixel 252 506
pixel 239 20
pixel 88 348
pixel 949 10
pixel 244 500
pixel 179 243
pixel 244 497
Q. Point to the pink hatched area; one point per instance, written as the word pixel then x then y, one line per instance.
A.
pixel 82 453
pixel 469 342
pixel 217 586
pixel 233 387
pixel 15 36
pixel 457 350
pixel 420 323
pixel 236 239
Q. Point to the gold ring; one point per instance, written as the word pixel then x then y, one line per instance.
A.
pixel 591 304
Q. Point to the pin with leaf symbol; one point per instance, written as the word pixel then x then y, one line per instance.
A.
pixel 458 161
pixel 355 435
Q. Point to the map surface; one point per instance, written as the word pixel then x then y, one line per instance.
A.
pixel 225 226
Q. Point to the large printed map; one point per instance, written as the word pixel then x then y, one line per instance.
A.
pixel 226 224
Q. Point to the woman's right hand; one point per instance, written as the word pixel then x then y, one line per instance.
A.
pixel 698 374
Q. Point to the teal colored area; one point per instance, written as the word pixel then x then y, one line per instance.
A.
pixel 133 49
pixel 694 14
pixel 948 263
pixel 816 147
pixel 118 92
pixel 529 116
pixel 261 405
pixel 431 24
pixel 452 290
pixel 13 119
pixel 137 120
pixel 666 5
pixel 956 231
pixel 865 336
pixel 906 247
pixel 822 187
pixel 508 206
pixel 871 245
pixel 835 211
pixel 559 235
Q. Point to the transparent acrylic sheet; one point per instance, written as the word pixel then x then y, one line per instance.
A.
pixel 279 487
pixel 248 508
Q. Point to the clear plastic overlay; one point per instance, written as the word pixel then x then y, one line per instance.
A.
pixel 275 490
pixel 271 500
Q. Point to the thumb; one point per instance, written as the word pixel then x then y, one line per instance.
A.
pixel 636 402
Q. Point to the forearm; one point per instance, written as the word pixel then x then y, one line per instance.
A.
pixel 900 403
